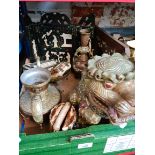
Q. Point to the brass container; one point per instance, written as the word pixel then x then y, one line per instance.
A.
pixel 85 37
pixel 83 53
pixel 37 100
pixel 83 57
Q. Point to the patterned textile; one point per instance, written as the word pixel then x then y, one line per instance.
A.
pixel 78 12
pixel 107 14
pixel 118 15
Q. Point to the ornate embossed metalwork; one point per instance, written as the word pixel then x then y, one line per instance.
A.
pixel 55 18
pixel 53 37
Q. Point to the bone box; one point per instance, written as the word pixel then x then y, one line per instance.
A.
pixel 92 140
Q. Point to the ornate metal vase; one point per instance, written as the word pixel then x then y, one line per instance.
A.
pixel 85 37
pixel 83 53
pixel 39 97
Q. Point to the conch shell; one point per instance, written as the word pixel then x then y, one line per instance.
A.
pixel 62 115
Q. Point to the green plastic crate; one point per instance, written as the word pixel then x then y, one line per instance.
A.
pixel 91 140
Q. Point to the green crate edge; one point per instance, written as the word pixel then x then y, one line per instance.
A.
pixel 56 143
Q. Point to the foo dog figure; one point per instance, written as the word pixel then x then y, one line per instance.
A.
pixel 110 87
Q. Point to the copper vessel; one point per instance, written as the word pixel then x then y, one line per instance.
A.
pixel 85 37
pixel 84 52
